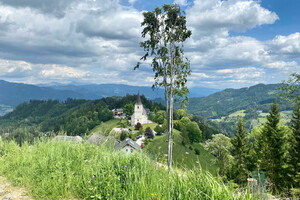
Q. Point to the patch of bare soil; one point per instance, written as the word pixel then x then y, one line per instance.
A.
pixel 10 192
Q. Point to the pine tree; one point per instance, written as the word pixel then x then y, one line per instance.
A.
pixel 295 146
pixel 240 153
pixel 273 160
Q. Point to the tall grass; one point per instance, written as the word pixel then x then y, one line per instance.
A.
pixel 68 170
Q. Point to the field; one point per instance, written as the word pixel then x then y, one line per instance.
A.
pixel 82 171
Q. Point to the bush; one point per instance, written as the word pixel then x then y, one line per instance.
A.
pixel 149 133
pixel 138 126
pixel 123 135
pixel 197 151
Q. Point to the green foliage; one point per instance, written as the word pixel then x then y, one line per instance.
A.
pixel 193 131
pixel 123 123
pixel 240 152
pixel 294 153
pixel 124 135
pixel 197 151
pixel 158 117
pixel 222 104
pixel 128 109
pixel 220 146
pixel 149 133
pixel 81 171
pixel 271 151
pixel 159 129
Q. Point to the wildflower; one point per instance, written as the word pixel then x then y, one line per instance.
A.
pixel 152 194
pixel 89 181
pixel 93 176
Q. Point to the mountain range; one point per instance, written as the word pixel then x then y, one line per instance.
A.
pixel 12 94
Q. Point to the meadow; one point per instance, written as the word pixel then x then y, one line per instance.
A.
pixel 56 170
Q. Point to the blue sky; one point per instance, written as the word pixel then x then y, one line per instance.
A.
pixel 234 43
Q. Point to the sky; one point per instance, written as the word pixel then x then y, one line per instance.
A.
pixel 234 43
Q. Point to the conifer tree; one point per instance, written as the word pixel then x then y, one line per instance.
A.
pixel 273 160
pixel 240 153
pixel 295 146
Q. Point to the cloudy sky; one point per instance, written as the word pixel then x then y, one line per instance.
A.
pixel 234 43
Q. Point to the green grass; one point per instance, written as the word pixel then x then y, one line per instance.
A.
pixel 238 113
pixel 104 126
pixel 71 170
pixel 183 156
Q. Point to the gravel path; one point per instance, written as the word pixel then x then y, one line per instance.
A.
pixel 9 192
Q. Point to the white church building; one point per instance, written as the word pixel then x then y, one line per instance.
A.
pixel 140 114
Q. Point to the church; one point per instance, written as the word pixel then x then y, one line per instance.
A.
pixel 140 114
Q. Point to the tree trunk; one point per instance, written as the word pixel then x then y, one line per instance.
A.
pixel 170 125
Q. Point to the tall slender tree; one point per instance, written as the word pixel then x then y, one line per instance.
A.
pixel 166 32
pixel 240 152
pixel 273 160
pixel 295 146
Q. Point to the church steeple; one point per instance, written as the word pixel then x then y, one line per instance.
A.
pixel 138 99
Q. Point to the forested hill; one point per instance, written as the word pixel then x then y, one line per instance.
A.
pixel 251 99
pixel 76 117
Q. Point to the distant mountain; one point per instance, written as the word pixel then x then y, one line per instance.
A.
pixel 223 103
pixel 12 94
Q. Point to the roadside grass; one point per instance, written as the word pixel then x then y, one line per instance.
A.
pixel 183 156
pixel 57 170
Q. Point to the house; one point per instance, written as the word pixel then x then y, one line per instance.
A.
pixel 118 112
pixel 128 146
pixel 68 138
pixel 140 114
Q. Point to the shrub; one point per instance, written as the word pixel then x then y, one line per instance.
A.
pixel 138 126
pixel 197 151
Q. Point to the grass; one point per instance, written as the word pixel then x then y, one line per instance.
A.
pixel 183 156
pixel 72 170
pixel 238 113
pixel 151 125
pixel 104 126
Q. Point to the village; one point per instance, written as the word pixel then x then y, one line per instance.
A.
pixel 126 143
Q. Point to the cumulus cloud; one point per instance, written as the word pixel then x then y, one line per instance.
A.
pixel 289 46
pixel 97 41
pixel 219 17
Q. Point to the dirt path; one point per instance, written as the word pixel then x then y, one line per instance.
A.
pixel 9 192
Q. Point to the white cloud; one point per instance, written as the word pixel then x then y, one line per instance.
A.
pixel 219 17
pixel 289 46
pixel 181 2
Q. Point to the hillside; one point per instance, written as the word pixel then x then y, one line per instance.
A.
pixel 73 116
pixel 253 103
pixel 184 157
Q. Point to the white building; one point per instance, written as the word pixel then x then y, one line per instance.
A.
pixel 140 114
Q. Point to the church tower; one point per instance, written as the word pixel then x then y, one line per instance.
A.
pixel 139 114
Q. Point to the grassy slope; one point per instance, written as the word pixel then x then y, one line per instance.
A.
pixel 82 171
pixel 105 126
pixel 159 147
pixel 183 157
